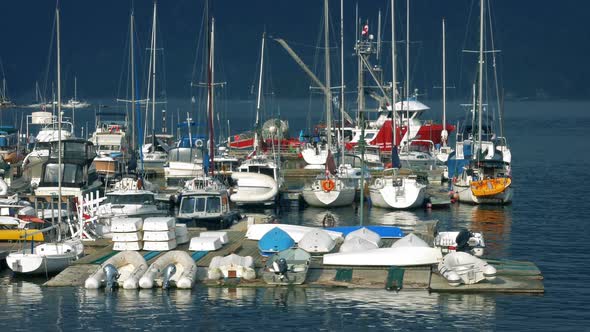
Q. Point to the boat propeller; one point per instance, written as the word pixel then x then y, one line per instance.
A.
pixel 169 271
pixel 111 276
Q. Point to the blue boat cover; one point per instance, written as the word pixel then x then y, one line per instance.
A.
pixel 274 241
pixel 386 232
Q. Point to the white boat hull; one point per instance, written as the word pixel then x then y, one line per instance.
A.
pixel 314 156
pixel 47 258
pixel 466 196
pixel 296 232
pixel 334 198
pixel 399 256
pixel 408 195
pixel 254 188
pixel 130 266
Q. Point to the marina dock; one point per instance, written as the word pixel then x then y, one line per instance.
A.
pixel 512 276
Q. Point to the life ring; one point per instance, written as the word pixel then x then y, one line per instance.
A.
pixel 328 185
pixel 199 143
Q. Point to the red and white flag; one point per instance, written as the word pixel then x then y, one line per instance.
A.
pixel 365 30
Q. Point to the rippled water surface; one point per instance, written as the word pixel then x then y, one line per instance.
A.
pixel 546 224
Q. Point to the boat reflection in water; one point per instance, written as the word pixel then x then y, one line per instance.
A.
pixel 231 293
pixel 495 222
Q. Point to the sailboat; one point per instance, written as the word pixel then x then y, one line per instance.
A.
pixel 154 154
pixel 485 177
pixel 49 257
pixel 394 190
pixel 74 103
pixel 258 178
pixel 335 188
pixel 4 100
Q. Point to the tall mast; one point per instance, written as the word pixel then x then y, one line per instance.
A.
pixel 210 97
pixel 480 83
pixel 444 132
pixel 59 148
pixel 154 34
pixel 328 86
pixel 408 71
pixel 379 36
pixel 132 70
pixel 259 97
pixel 393 83
pixel 342 79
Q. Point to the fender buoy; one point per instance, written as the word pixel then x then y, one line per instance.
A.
pixel 328 185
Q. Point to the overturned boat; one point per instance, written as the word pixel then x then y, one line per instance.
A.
pixel 124 269
pixel 274 241
pixel 173 269
pixel 317 241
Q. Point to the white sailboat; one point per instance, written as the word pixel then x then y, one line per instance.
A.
pixel 154 157
pixel 485 179
pixel 258 178
pixel 393 190
pixel 335 188
pixel 50 257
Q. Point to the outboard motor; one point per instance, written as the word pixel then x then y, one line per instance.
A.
pixel 111 276
pixel 280 267
pixel 169 271
pixel 462 240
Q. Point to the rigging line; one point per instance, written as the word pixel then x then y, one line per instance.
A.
pixel 49 56
pixel 464 45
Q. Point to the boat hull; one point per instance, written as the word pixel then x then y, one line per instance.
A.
pixel 334 198
pixel 465 195
pixel 398 197
pixel 400 256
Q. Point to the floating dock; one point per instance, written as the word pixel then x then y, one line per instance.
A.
pixel 512 276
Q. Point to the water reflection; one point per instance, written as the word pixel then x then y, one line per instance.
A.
pixel 495 222
pixel 231 293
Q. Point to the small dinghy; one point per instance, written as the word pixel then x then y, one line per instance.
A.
pixel 407 251
pixel 232 266
pixel 288 267
pixel 367 234
pixel 124 269
pixel 317 241
pixel 352 244
pixel 274 241
pixel 296 232
pixel 461 267
pixel 173 269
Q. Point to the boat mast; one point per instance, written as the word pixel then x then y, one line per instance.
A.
pixel 132 69
pixel 327 63
pixel 342 79
pixel 480 83
pixel 393 85
pixel 59 147
pixel 259 97
pixel 210 97
pixel 408 72
pixel 444 133
pixel 154 74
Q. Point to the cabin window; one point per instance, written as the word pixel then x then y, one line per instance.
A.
pixel 130 199
pixel 213 205
pixel 192 204
pixel 369 136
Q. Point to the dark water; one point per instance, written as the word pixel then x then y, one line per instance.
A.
pixel 546 224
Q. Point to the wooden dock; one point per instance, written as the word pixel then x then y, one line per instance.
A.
pixel 512 276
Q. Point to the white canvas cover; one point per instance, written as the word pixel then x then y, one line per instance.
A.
pixel 127 237
pixel 159 223
pixel 204 244
pixel 122 246
pixel 159 245
pixel 222 236
pixel 126 225
pixel 159 235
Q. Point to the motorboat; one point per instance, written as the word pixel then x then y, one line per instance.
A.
pixel 461 267
pixel 122 270
pixel 204 202
pixel 172 269
pixel 287 267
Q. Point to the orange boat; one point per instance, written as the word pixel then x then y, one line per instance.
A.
pixel 490 187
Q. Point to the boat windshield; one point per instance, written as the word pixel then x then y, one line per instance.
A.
pixel 194 204
pixel 71 173
pixel 262 170
pixel 131 199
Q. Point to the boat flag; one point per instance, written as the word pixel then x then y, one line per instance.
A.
pixel 365 31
